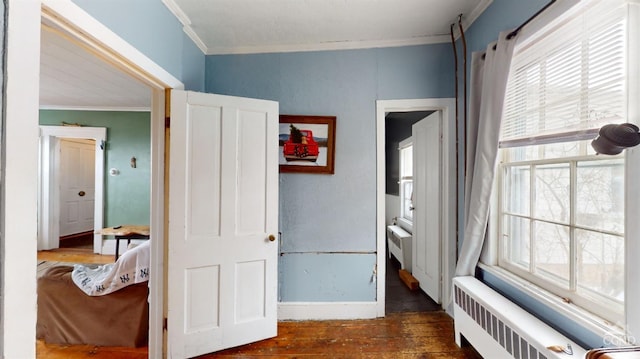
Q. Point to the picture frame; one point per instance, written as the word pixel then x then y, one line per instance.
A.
pixel 307 144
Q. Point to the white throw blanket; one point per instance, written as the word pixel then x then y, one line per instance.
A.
pixel 131 268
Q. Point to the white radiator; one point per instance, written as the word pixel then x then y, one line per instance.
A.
pixel 497 328
pixel 399 242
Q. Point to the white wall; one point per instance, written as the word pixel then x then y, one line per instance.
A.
pixel 20 181
pixel 392 208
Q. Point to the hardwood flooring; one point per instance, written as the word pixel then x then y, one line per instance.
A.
pixel 74 255
pixel 398 335
pixel 426 335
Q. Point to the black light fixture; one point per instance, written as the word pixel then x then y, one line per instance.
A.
pixel 612 139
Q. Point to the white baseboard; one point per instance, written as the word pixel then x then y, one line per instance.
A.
pixel 326 310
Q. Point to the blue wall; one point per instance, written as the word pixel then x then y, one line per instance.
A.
pixel 328 222
pixel 126 196
pixel 151 28
pixel 503 15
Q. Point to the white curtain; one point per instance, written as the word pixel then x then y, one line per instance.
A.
pixel 489 75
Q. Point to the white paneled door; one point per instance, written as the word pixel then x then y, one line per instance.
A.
pixel 427 201
pixel 77 186
pixel 223 211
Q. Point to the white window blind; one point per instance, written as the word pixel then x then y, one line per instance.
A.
pixel 570 79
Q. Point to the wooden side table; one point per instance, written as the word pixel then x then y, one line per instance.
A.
pixel 126 231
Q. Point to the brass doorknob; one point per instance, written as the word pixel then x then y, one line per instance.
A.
pixel 272 237
pixel 81 193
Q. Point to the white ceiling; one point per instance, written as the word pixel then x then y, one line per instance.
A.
pixel 72 78
pixel 259 26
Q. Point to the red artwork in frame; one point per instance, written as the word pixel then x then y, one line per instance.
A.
pixel 307 144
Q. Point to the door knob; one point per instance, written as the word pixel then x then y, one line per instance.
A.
pixel 272 237
pixel 81 193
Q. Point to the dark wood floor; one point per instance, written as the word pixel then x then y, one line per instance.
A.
pixel 413 328
pixel 398 335
pixel 427 335
pixel 400 298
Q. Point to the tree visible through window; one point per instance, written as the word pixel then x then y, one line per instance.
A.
pixel 562 211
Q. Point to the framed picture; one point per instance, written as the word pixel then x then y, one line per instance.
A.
pixel 307 144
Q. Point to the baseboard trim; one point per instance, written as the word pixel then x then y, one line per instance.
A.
pixel 326 310
pixel 88 234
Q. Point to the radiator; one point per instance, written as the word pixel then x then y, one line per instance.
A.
pixel 399 242
pixel 497 328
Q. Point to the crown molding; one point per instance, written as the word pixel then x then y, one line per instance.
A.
pixel 186 24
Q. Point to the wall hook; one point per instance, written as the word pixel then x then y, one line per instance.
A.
pixel 133 162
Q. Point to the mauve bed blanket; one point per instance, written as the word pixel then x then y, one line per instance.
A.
pixel 66 315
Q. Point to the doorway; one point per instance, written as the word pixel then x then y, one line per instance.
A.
pixel 399 180
pixel 448 205
pixel 50 180
pixel 125 67
pixel 21 114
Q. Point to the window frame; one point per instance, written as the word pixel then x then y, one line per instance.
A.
pixel 406 222
pixel 571 295
pixel 618 333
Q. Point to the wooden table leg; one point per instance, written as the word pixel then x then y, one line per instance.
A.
pixel 118 238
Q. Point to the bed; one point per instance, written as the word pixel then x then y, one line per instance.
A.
pixel 68 315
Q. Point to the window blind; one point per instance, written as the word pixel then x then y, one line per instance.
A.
pixel 567 82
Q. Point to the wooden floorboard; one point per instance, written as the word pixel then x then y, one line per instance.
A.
pixel 399 335
pixel 427 335
pixel 74 255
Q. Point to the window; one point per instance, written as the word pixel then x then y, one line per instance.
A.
pixel 406 181
pixel 561 211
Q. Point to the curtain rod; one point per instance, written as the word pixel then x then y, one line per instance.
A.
pixel 517 30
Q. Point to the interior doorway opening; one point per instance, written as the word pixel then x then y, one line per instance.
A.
pixel 21 104
pixel 51 196
pixel 398 133
pixel 446 108
pixel 101 47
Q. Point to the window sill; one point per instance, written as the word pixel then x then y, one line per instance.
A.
pixel 611 334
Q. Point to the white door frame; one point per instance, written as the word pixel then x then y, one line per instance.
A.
pixel 19 226
pixel 448 247
pixel 49 197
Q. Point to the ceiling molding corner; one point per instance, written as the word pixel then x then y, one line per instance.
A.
pixel 469 19
pixel 186 24
pixel 177 12
pixel 195 38
pixel 475 14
